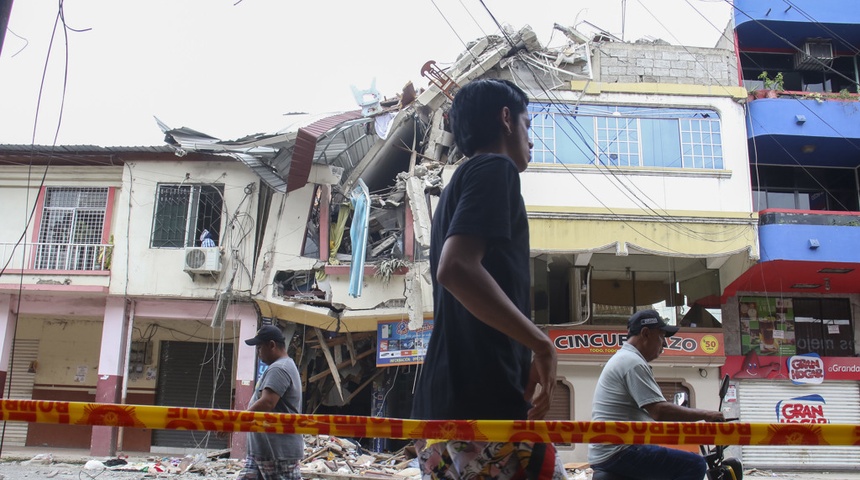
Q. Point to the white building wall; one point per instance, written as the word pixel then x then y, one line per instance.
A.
pixel 141 270
pixel 664 189
pixel 19 192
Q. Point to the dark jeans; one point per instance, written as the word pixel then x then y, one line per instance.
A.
pixel 650 462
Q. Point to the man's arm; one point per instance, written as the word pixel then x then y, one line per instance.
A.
pixel 267 401
pixel 669 412
pixel 460 271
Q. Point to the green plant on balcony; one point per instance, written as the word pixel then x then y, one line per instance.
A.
pixel 770 85
pixel 844 94
pixel 816 96
pixel 389 267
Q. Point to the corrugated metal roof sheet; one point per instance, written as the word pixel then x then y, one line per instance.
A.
pixel 88 155
pixel 306 142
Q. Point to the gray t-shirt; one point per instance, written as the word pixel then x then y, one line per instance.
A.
pixel 282 377
pixel 624 387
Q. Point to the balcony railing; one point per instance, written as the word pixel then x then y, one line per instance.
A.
pixel 57 256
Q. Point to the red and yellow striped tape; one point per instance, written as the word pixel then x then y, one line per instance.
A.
pixel 665 433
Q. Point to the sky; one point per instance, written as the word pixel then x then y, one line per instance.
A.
pixel 230 68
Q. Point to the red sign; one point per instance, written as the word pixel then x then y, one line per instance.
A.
pixel 609 341
pixel 807 409
pixel 779 368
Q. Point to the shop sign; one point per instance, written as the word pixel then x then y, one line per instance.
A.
pixel 400 346
pixel 805 369
pixel 580 342
pixel 805 409
pixel 780 368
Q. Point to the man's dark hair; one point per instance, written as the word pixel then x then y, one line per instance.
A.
pixel 474 114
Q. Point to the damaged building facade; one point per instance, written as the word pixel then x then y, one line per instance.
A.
pixel 638 195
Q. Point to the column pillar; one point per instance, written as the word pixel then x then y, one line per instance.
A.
pixel 111 372
pixel 246 366
pixel 8 323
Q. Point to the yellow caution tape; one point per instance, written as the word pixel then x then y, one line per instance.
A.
pixel 665 433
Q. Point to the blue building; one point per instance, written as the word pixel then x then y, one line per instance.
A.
pixel 799 61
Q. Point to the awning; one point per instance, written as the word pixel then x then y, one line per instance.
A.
pixel 788 276
pixel 702 238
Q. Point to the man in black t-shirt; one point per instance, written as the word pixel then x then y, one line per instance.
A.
pixel 485 356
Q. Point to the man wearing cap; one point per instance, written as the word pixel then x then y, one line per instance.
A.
pixel 279 390
pixel 627 391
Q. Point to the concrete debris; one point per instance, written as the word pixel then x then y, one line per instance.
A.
pixel 330 457
pixel 40 459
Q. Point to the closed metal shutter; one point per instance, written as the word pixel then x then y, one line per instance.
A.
pixel 193 374
pixel 757 402
pixel 21 388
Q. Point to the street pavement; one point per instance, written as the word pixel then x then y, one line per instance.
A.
pixel 70 464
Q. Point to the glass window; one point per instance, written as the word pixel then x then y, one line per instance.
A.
pixel 791 326
pixel 626 136
pixel 542 133
pixel 823 326
pixel 71 229
pixel 183 212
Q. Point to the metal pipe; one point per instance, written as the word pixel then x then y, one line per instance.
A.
pixel 126 362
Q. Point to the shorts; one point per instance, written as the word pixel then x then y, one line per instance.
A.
pixel 459 460
pixel 264 468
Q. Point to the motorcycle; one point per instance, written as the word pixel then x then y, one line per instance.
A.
pixel 719 467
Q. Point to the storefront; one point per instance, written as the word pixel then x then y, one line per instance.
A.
pixel 797 365
pixel 690 363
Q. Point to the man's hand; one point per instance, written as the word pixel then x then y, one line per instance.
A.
pixel 715 417
pixel 542 372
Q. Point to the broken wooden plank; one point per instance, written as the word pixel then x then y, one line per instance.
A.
pixel 361 387
pixel 339 366
pixel 330 360
pixel 350 346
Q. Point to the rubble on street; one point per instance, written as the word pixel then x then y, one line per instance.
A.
pixel 326 458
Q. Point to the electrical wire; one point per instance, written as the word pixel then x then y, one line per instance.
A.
pixel 668 220
pixel 776 140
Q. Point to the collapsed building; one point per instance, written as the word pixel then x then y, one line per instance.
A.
pixel 637 196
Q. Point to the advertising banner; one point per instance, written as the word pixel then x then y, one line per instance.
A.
pixel 767 325
pixel 579 342
pixel 804 369
pixel 400 346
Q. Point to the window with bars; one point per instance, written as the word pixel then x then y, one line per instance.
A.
pixel 182 212
pixel 71 229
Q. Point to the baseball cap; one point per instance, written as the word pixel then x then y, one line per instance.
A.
pixel 648 319
pixel 266 333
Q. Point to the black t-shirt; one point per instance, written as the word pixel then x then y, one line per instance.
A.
pixel 471 370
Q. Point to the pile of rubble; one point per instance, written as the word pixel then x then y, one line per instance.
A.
pixel 332 458
pixel 329 457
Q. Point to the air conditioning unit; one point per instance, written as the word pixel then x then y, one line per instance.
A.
pixel 202 260
pixel 816 54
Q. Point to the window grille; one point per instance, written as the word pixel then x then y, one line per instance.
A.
pixel 71 229
pixel 542 133
pixel 701 143
pixel 182 212
pixel 618 141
